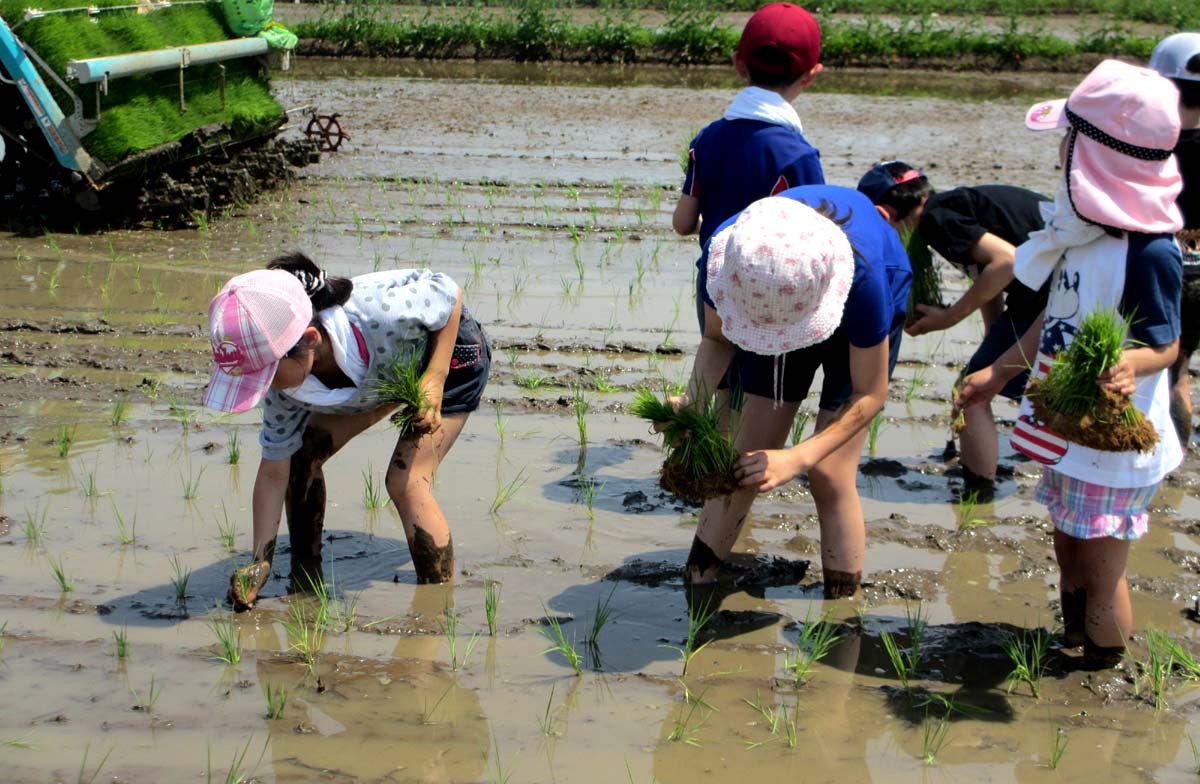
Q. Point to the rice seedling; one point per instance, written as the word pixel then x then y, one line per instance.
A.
pixel 1060 747
pixel 914 383
pixel 772 714
pixel 1027 652
pixel 119 413
pixel 603 385
pixel 121 643
pixel 277 698
pixel 229 641
pixel 803 416
pixel 967 504
pixel 400 384
pixel 816 640
pixel 63 438
pixel 700 457
pixel 905 663
pixel 126 532
pixel 90 488
pixel 531 380
pixel 587 494
pixel 375 496
pixel 687 726
pixel 873 429
pixel 927 282
pixel 699 614
pixel 559 643
pixel 1184 662
pixel 600 618
pixel 505 492
pixel 3 639
pixel 21 742
pixel 180 577
pixel 146 704
pixel 502 774
pixel 448 622
pixel 933 737
pixel 226 530
pixel 306 636
pixel 234 774
pixel 233 449
pixel 581 404
pixel 1068 400
pixel 34 526
pixel 491 602
pixel 501 424
pixel 1195 755
pixel 191 484
pixel 429 710
pixel 65 583
pixel 547 720
pixel 83 777
pixel 55 279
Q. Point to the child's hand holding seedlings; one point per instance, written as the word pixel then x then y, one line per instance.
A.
pixel 767 469
pixel 428 418
pixel 1136 362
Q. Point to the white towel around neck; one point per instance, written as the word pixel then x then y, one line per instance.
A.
pixel 1037 257
pixel 756 103
pixel 345 352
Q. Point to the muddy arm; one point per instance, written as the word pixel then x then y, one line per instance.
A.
pixel 433 380
pixel 270 487
pixel 686 218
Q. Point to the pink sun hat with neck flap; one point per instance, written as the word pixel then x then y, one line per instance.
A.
pixel 253 322
pixel 779 277
pixel 1124 124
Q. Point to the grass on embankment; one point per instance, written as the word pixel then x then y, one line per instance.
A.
pixel 1181 14
pixel 142 112
pixel 692 34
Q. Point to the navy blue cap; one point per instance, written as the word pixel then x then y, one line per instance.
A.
pixel 876 183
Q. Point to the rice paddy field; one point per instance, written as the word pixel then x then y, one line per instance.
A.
pixel 564 651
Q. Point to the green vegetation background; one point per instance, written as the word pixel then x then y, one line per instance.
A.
pixel 692 32
pixel 142 112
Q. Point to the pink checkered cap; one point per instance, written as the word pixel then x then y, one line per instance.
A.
pixel 780 276
pixel 253 322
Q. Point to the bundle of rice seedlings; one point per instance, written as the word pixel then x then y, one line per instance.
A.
pixel 401 383
pixel 927 281
pixel 1070 403
pixel 700 457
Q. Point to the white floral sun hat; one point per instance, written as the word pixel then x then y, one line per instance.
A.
pixel 779 276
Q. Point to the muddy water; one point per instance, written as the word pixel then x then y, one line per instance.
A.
pixel 550 202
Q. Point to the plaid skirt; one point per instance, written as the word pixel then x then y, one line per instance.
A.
pixel 1088 511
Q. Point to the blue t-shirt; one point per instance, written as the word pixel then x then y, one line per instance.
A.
pixel 734 163
pixel 882 273
pixel 1153 284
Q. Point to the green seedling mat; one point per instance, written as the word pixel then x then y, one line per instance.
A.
pixel 142 112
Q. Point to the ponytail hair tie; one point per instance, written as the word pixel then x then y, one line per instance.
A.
pixel 312 283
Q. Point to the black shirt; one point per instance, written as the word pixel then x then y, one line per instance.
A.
pixel 955 220
pixel 1187 153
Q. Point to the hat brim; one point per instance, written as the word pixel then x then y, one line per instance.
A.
pixel 1047 115
pixel 235 394
pixel 815 328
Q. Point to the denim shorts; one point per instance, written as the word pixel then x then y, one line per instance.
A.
pixel 1005 332
pixel 469 368
pixel 756 372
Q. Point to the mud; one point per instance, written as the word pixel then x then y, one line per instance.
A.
pixel 304 504
pixel 433 563
pixel 1106 428
pixel 678 480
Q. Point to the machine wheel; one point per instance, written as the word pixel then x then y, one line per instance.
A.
pixel 328 132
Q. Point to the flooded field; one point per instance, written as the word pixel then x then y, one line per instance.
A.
pixel 546 192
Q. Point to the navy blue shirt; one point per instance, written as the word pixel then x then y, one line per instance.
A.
pixel 882 274
pixel 734 163
pixel 1153 284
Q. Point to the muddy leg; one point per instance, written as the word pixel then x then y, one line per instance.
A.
pixel 764 425
pixel 410 486
pixel 834 484
pixel 1181 399
pixel 1108 615
pixel 305 505
pixel 980 452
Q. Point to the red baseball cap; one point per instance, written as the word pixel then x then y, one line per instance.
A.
pixel 787 28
